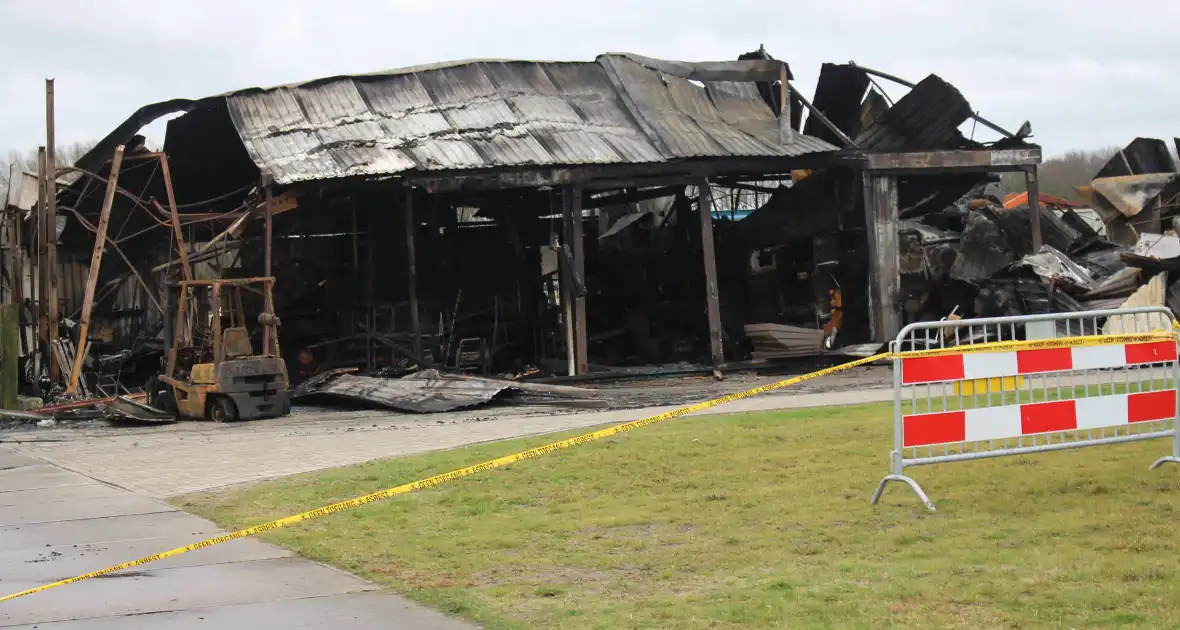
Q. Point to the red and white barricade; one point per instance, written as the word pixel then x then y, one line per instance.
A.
pixel 973 389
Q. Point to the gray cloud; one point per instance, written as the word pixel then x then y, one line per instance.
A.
pixel 1086 74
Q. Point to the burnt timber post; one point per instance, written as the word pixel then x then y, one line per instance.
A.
pixel 268 246
pixel 51 270
pixel 1034 205
pixel 412 273
pixel 881 226
pixel 37 279
pixel 708 255
pixel 571 211
pixel 882 220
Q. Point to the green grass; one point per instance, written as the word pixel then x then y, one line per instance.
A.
pixel 752 521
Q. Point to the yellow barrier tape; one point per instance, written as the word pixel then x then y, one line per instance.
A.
pixel 998 346
pixel 1040 344
pixel 454 474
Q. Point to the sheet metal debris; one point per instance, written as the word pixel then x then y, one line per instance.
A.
pixel 431 391
pixel 127 410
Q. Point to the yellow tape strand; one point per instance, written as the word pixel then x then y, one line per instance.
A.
pixel 452 475
pixel 998 346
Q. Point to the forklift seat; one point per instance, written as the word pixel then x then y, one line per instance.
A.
pixel 236 342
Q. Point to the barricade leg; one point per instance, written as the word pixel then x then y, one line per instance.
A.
pixel 909 482
pixel 1174 458
pixel 897 466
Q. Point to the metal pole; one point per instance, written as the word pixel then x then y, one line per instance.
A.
pixel 51 227
pixel 412 272
pixel 712 299
pixel 1034 206
pixel 100 234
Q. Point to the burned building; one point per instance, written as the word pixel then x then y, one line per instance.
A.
pixel 522 216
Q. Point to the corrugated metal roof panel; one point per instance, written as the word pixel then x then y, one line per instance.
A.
pixel 927 117
pixel 485 114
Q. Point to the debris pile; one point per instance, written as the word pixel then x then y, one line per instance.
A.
pixel 975 256
pixel 431 391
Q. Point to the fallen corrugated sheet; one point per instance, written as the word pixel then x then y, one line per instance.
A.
pixel 838 94
pixel 482 114
pixel 1129 194
pixel 1141 156
pixel 927 117
pixel 125 410
pixel 1154 293
pixel 779 341
pixel 430 391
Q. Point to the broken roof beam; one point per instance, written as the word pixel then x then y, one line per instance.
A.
pixel 749 70
pixel 848 142
pixel 956 160
pixel 1025 129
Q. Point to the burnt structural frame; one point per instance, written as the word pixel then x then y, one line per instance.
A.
pixel 882 220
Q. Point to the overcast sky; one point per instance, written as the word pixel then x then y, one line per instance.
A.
pixel 1086 74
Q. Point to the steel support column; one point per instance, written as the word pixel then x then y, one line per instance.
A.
pixel 712 295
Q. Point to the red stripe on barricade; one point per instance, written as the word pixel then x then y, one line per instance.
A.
pixel 1153 352
pixel 1050 360
pixel 930 369
pixel 1047 417
pixel 1149 406
pixel 934 428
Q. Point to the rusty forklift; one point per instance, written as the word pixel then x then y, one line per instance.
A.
pixel 214 367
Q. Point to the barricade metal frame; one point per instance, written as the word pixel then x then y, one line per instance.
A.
pixel 1037 389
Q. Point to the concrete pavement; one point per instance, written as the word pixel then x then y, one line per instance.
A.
pixel 194 456
pixel 56 524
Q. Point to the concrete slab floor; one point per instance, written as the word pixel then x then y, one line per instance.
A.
pixel 191 456
pixel 45 536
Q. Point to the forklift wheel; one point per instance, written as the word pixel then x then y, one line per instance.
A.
pixel 222 409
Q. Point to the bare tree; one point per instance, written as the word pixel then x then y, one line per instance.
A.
pixel 66 155
pixel 1059 175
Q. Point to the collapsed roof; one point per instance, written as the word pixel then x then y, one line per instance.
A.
pixel 471 115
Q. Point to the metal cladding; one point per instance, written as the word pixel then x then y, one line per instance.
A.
pixel 927 117
pixel 488 114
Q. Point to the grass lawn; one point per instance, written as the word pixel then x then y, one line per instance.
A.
pixel 752 521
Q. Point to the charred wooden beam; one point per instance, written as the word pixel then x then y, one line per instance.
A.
pixel 100 234
pixel 631 196
pixel 412 273
pixel 882 223
pixel 572 212
pixel 51 227
pixel 962 160
pixel 607 177
pixel 1034 206
pixel 709 258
